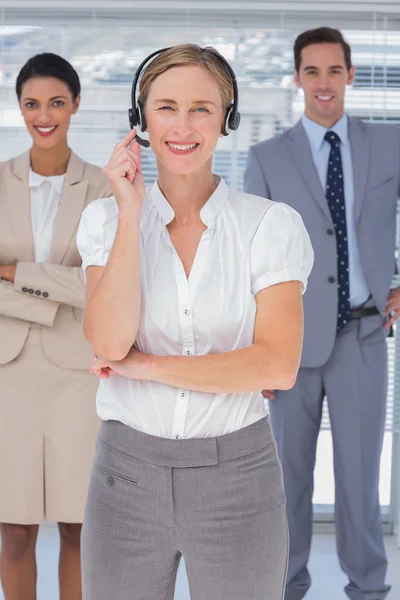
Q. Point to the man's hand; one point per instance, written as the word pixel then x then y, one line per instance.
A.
pixel 7 272
pixel 392 307
pixel 269 394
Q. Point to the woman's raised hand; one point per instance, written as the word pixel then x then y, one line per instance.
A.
pixel 124 172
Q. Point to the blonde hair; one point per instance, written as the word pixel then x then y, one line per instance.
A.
pixel 184 55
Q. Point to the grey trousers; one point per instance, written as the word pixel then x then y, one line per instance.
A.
pixel 354 380
pixel 219 502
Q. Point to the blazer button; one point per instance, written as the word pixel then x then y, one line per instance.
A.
pixel 45 295
pixel 330 231
pixel 24 289
pixel 30 290
pixel 331 279
pixel 38 292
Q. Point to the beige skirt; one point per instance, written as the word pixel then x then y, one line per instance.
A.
pixel 48 429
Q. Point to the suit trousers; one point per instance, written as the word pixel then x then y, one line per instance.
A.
pixel 218 502
pixel 354 380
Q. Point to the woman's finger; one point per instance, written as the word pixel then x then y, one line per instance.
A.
pixel 126 166
pixel 123 155
pixel 122 145
pixel 126 169
pixel 127 139
pixel 97 362
pixel 136 148
pixel 269 394
pixel 95 371
pixel 103 374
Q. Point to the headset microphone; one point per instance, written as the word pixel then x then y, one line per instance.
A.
pixel 141 141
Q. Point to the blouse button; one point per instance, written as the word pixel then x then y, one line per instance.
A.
pixel 186 311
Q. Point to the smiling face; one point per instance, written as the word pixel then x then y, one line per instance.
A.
pixel 323 75
pixel 184 115
pixel 47 105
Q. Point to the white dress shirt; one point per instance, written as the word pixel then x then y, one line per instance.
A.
pixel 320 149
pixel 45 199
pixel 250 243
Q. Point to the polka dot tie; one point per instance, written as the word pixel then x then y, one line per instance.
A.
pixel 336 203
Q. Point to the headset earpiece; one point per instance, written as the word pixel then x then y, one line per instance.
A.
pixel 141 122
pixel 131 119
pixel 231 121
pixel 225 124
pixel 234 121
pixel 136 119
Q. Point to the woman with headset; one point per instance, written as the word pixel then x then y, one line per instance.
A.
pixel 193 306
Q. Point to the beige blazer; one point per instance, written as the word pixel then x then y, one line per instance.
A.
pixel 51 294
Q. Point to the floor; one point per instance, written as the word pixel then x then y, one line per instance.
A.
pixel 327 577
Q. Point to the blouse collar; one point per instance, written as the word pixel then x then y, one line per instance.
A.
pixel 208 213
pixel 36 180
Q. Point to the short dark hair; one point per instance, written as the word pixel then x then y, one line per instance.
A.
pixel 49 65
pixel 322 35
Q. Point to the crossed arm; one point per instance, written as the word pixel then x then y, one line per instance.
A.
pixel 33 291
pixel 272 361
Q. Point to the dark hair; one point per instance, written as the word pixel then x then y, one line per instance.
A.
pixel 322 35
pixel 49 65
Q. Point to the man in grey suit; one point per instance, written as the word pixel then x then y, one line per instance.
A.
pixel 342 176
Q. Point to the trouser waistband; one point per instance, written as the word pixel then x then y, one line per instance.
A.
pixel 193 452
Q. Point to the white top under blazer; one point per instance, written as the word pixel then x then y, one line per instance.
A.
pixel 250 244
pixel 45 197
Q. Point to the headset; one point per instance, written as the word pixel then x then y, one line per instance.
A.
pixel 136 113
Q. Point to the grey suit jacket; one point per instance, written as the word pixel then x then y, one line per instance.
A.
pixel 283 170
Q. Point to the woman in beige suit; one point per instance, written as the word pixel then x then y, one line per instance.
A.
pixel 48 422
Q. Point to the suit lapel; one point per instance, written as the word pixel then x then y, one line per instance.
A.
pixel 360 152
pixel 301 155
pixel 18 201
pixel 72 203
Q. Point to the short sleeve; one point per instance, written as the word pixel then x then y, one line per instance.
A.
pixel 281 249
pixel 96 232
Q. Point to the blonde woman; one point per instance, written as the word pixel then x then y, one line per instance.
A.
pixel 193 306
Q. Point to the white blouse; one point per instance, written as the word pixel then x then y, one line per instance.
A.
pixel 45 196
pixel 250 244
